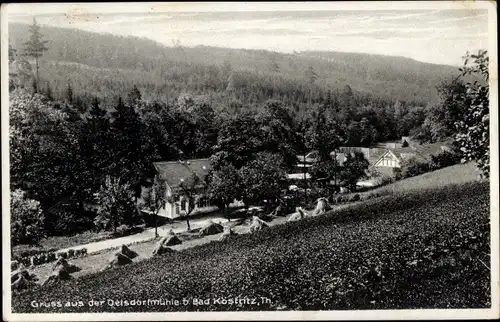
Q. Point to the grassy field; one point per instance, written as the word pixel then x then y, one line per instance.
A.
pixel 413 249
pixel 456 174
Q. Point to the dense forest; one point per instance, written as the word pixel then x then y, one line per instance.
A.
pixel 108 65
pixel 116 104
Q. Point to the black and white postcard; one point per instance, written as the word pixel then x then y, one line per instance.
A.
pixel 250 160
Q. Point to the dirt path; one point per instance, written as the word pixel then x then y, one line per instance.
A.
pixel 149 234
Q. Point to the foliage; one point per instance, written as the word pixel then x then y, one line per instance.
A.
pixel 115 202
pixel 441 116
pixel 354 168
pixel 423 249
pixel 277 131
pixel 189 190
pixel 41 148
pixel 224 186
pixel 26 219
pixel 35 47
pixel 155 199
pixel 164 72
pixel 126 230
pixel 413 167
pixel 323 135
pixel 237 142
pixel 444 159
pixel 263 178
pixel 68 217
pixel 130 161
pixel 473 128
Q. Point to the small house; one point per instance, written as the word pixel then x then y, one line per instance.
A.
pixel 176 173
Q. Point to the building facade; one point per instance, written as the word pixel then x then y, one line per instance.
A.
pixel 175 173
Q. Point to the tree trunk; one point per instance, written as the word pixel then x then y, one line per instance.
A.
pixel 156 225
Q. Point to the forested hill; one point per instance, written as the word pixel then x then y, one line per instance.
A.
pixel 105 65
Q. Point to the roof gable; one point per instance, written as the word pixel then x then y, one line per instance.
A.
pixel 175 172
pixel 388 154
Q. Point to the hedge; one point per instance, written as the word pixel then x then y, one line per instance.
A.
pixel 414 250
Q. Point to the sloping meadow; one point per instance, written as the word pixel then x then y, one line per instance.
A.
pixel 427 249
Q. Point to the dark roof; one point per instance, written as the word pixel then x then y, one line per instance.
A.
pixel 173 171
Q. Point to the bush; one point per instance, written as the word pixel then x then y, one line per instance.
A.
pixel 412 167
pixel 397 174
pixel 62 255
pixel 71 253
pixel 444 159
pixel 24 251
pixel 26 221
pixel 51 256
pixel 355 197
pixel 404 251
pixel 126 230
pixel 116 205
pixel 68 218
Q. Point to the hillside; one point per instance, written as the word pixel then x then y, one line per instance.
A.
pixel 422 249
pixel 165 72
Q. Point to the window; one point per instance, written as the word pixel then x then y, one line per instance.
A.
pixel 183 204
pixel 177 208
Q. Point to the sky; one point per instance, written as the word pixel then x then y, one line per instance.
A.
pixel 438 33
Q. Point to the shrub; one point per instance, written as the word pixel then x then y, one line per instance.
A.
pixel 62 255
pixel 444 159
pixel 68 218
pixel 355 197
pixel 412 167
pixel 126 230
pixel 71 253
pixel 51 256
pixel 397 174
pixel 116 205
pixel 26 221
pixel 84 251
pixel 23 251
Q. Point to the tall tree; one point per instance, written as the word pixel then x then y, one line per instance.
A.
pixel 115 205
pixel 473 129
pixel 263 179
pixel 35 47
pixel 224 186
pixel 12 54
pixel 97 148
pixel 238 140
pixel 354 168
pixel 69 93
pixel 277 131
pixel 130 161
pixel 134 96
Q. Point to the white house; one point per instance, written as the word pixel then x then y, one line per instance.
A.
pixel 173 173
